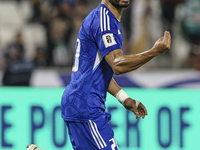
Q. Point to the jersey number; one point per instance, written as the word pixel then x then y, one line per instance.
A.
pixel 114 143
pixel 76 61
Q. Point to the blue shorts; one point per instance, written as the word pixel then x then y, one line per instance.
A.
pixel 92 135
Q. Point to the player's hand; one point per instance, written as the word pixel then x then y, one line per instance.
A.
pixel 130 104
pixel 163 43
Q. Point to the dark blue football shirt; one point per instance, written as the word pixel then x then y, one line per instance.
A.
pixel 84 97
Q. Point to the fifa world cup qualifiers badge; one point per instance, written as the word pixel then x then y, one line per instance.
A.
pixel 109 40
pixel 32 147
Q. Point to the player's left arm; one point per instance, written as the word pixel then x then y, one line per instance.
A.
pixel 135 106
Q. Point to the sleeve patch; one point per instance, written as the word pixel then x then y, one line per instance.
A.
pixel 109 40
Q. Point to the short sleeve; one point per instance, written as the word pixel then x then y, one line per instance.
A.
pixel 107 35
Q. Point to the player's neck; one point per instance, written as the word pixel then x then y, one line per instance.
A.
pixel 116 11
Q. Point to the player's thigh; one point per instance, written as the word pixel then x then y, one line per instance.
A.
pixel 103 135
pixel 93 135
pixel 80 136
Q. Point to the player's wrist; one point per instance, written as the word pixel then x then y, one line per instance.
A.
pixel 155 51
pixel 121 96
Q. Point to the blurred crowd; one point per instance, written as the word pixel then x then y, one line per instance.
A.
pixel 42 33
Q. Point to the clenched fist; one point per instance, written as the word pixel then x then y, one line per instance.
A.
pixel 163 43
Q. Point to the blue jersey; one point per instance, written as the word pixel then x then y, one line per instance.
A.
pixel 84 97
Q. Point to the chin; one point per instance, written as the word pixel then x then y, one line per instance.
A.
pixel 120 3
pixel 124 4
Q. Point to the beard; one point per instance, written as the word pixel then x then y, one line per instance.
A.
pixel 119 4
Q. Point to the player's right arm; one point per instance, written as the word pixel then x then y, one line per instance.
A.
pixel 125 63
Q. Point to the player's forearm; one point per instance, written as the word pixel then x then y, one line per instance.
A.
pixel 127 63
pixel 113 88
